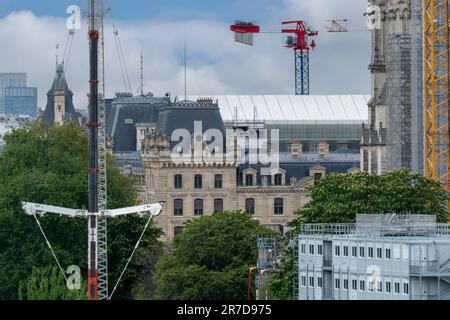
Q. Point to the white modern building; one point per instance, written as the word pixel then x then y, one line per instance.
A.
pixel 381 257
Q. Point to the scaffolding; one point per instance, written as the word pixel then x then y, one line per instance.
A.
pixel 417 105
pixel 267 255
pixel 398 107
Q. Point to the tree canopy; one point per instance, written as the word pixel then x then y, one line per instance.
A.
pixel 337 198
pixel 210 259
pixel 49 165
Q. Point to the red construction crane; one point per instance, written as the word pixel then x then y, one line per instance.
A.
pixel 301 40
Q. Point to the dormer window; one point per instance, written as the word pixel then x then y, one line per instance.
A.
pixel 278 179
pixel 249 179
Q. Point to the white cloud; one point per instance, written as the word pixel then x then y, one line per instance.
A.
pixel 216 64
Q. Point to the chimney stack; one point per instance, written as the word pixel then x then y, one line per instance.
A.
pixel 296 149
pixel 324 149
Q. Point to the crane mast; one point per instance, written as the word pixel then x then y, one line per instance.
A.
pixel 437 91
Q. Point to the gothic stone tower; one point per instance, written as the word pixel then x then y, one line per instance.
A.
pixel 395 19
pixel 59 101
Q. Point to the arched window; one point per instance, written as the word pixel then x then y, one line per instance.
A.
pixel 198 181
pixel 278 206
pixel 198 207
pixel 178 181
pixel 218 181
pixel 250 206
pixel 178 207
pixel 218 205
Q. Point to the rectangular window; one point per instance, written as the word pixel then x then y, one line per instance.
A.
pixel 370 286
pixel 218 205
pixel 178 207
pixel 388 254
pixel 311 249
pixel 362 285
pixel 178 181
pixel 405 288
pixel 354 284
pixel 345 284
pixel 379 253
pixel 218 181
pixel 388 287
pixel 361 252
pixel 370 252
pixel 337 251
pixel 248 179
pixel 379 286
pixel 198 181
pixel 278 179
pixel 345 251
pixel 337 283
pixel 319 249
pixel 198 207
pixel 311 282
pixel 250 206
pixel 303 248
pixel 278 206
pixel 354 251
pixel 303 281
pixel 397 287
pixel 319 282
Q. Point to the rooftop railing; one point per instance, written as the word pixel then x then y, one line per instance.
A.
pixel 352 229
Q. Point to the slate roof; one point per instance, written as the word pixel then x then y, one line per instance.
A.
pixel 124 112
pixel 183 115
pixel 336 162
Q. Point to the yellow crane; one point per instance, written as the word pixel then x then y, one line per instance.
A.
pixel 437 91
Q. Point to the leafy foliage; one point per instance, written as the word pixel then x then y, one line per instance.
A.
pixel 210 259
pixel 49 284
pixel 49 165
pixel 337 198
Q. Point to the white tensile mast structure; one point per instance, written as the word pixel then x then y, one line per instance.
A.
pixel 97 212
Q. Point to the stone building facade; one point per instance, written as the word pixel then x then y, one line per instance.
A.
pixel 192 188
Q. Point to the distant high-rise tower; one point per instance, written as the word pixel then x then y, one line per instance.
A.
pixel 59 101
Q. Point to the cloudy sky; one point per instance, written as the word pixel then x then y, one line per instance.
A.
pixel 31 29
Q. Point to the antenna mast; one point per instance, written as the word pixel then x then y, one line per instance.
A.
pixel 142 74
pixel 185 71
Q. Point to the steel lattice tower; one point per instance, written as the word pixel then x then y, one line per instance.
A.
pixel 437 90
pixel 301 45
pixel 301 72
pixel 102 181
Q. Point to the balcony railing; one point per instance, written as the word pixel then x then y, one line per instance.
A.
pixel 421 267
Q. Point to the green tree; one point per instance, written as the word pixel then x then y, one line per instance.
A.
pixel 210 259
pixel 49 284
pixel 337 198
pixel 49 165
